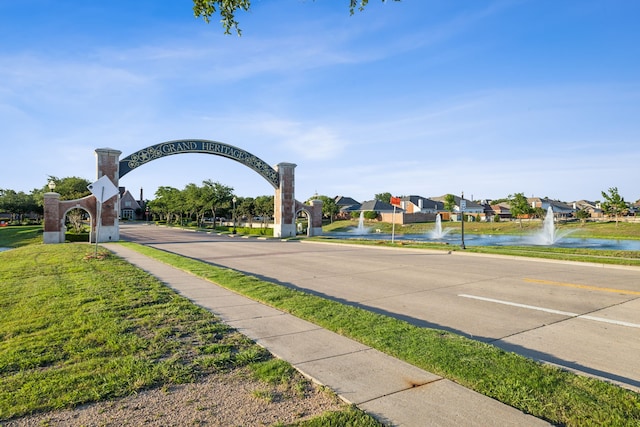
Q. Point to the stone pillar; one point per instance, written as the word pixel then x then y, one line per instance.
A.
pixel 315 222
pixel 52 221
pixel 284 209
pixel 108 163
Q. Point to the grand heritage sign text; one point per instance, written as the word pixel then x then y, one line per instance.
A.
pixel 169 148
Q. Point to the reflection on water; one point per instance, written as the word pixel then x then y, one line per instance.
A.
pixel 503 240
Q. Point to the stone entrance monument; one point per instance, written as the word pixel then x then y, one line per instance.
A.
pixel 286 207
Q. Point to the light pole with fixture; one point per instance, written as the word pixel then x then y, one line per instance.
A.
pixel 463 206
pixel 234 214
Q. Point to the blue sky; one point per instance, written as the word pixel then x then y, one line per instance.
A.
pixel 423 97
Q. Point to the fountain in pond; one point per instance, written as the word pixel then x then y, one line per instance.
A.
pixel 548 235
pixel 361 228
pixel 438 232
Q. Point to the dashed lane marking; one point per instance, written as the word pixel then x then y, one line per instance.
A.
pixel 552 311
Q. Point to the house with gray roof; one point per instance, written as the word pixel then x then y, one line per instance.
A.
pixel 472 209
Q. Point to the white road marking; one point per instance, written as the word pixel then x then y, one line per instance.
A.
pixel 552 311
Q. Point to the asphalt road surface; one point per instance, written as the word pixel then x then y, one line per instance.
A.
pixel 583 317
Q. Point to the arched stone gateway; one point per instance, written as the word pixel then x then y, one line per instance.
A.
pixel 108 163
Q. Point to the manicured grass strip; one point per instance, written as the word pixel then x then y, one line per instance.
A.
pixel 611 257
pixel 541 390
pixel 16 236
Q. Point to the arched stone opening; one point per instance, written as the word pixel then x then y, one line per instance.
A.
pixel 55 212
pixel 313 211
pixel 65 216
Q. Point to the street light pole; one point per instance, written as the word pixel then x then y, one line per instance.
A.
pixel 234 214
pixel 463 206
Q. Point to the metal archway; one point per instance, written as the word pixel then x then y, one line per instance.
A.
pixel 182 146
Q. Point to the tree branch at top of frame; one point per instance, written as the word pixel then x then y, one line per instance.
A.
pixel 227 9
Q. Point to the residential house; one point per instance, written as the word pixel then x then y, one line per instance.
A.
pixel 345 206
pixel 500 210
pixel 594 209
pixel 472 209
pixel 129 206
pixel 419 209
pixel 560 209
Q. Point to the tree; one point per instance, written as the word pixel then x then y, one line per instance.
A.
pixel 195 202
pixel 69 188
pixel 216 196
pixel 613 203
pixel 167 202
pixel 383 197
pixel 450 203
pixel 205 9
pixel 17 203
pixel 329 207
pixel 519 206
pixel 264 207
pixel 582 215
pixel 246 206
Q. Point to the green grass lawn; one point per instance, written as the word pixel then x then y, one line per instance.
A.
pixel 16 236
pixel 78 328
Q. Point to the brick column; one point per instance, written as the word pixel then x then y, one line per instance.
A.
pixel 315 222
pixel 108 163
pixel 284 210
pixel 52 220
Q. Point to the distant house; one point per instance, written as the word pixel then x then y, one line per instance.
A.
pixel 376 206
pixel 129 206
pixel 501 210
pixel 345 206
pixel 592 207
pixel 560 209
pixel 419 209
pixel 472 209
pixel 419 204
pixel 386 211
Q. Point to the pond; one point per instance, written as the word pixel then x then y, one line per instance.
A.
pixel 500 240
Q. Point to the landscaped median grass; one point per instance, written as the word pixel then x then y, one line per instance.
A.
pixel 538 389
pixel 16 236
pixel 76 328
pixel 612 257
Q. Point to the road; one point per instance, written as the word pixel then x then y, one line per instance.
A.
pixel 583 317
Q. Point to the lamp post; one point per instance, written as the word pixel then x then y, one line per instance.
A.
pixel 234 214
pixel 463 206
pixel 52 185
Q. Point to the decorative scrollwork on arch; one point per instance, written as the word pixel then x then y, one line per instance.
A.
pixel 169 148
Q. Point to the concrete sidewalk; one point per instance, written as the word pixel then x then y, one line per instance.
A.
pixel 391 390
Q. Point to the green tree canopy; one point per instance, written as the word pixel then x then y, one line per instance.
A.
pixel 264 206
pixel 450 203
pixel 18 203
pixel 69 188
pixel 383 197
pixel 519 206
pixel 614 204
